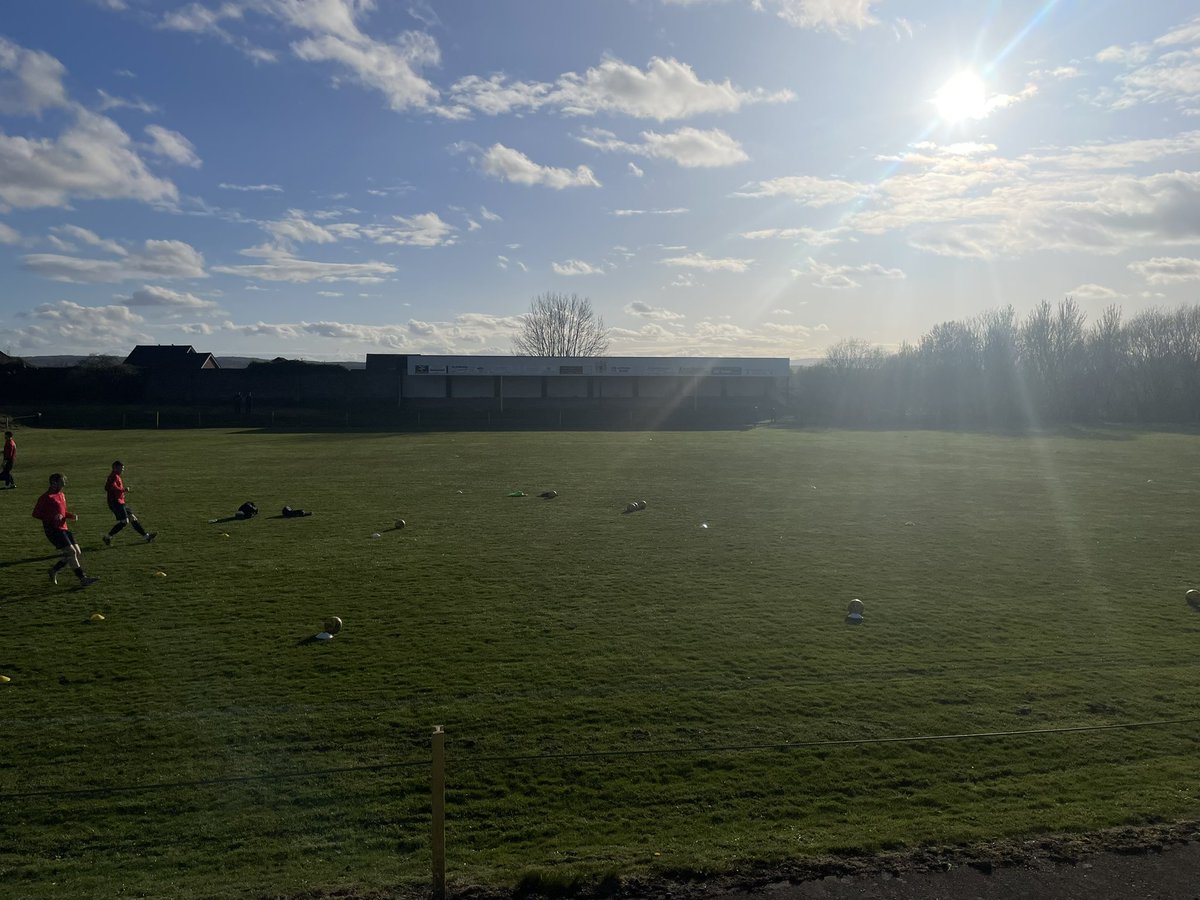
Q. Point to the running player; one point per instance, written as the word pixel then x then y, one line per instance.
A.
pixel 52 509
pixel 116 490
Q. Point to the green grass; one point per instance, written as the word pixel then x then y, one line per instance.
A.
pixel 1040 585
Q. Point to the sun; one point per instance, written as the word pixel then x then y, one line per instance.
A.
pixel 962 97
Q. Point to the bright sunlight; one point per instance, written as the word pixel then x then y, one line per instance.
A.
pixel 962 97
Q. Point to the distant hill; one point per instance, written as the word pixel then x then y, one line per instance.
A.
pixel 54 362
pixel 225 362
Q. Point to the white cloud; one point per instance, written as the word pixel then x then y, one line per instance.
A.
pixel 837 16
pixel 667 89
pixel 152 296
pixel 688 147
pixel 575 267
pixel 466 333
pixel 1093 292
pixel 195 18
pixel 93 159
pixel 66 326
pixel 154 260
pixel 1164 71
pixel 635 171
pixel 489 215
pixel 646 311
pixel 108 101
pixel 30 80
pixel 87 236
pixel 677 211
pixel 8 234
pixel 843 277
pixel 1167 269
pixel 513 165
pixel 707 264
pixel 809 190
pixel 297 229
pixel 421 230
pixel 258 188
pixel 980 204
pixel 280 265
pixel 388 68
pixel 814 237
pixel 172 145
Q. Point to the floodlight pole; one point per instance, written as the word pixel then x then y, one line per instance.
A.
pixel 438 796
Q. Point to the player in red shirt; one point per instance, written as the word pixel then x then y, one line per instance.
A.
pixel 116 490
pixel 10 457
pixel 52 509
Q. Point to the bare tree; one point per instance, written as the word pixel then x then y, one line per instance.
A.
pixel 854 354
pixel 561 325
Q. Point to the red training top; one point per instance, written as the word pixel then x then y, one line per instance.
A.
pixel 115 488
pixel 10 450
pixel 52 510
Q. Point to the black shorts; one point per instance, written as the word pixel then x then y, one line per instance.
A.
pixel 121 511
pixel 60 538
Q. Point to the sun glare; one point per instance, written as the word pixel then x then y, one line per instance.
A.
pixel 962 97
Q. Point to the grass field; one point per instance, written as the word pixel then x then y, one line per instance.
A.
pixel 1011 583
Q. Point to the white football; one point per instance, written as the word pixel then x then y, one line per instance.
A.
pixel 400 523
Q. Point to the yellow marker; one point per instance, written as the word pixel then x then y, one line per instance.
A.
pixel 4 679
pixel 224 534
pixel 97 617
pixel 160 574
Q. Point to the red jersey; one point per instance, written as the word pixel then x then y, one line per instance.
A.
pixel 52 510
pixel 10 450
pixel 115 488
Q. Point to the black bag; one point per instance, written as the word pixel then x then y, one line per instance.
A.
pixel 289 513
pixel 247 510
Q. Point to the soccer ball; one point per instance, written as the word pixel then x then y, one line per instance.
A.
pixel 333 624
pixel 1193 598
pixel 400 523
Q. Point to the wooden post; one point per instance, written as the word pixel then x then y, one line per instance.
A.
pixel 156 418
pixel 438 792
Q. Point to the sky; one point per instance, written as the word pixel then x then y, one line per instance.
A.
pixel 322 179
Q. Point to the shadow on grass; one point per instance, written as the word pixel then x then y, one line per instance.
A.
pixel 311 639
pixel 29 559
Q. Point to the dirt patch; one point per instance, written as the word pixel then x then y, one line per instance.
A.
pixel 1153 862
pixel 1129 861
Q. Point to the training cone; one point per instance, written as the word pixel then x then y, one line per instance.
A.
pixel 160 574
pixel 96 617
pixel 376 534
pixel 4 679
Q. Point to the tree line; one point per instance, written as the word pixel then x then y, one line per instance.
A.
pixel 997 370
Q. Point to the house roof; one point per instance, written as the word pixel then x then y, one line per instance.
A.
pixel 174 357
